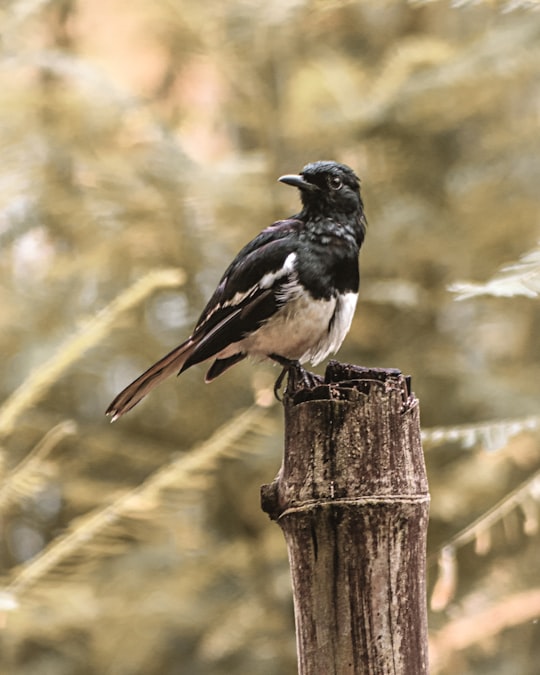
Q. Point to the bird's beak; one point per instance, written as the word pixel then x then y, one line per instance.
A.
pixel 297 181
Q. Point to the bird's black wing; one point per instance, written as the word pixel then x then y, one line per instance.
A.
pixel 252 289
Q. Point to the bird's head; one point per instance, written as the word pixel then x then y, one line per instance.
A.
pixel 327 189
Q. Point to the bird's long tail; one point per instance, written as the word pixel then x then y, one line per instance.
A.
pixel 139 388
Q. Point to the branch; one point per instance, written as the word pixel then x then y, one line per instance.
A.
pixel 135 503
pixel 478 531
pixel 467 631
pixel 90 334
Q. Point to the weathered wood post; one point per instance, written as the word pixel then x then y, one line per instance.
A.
pixel 352 500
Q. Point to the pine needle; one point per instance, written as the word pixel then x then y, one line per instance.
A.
pixel 445 586
pixel 90 334
pixel 490 435
pixel 519 279
pixel 519 498
pixel 137 503
pixel 29 475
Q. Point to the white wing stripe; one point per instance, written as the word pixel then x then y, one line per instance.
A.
pixel 267 280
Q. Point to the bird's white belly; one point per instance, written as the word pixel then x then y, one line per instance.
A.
pixel 304 330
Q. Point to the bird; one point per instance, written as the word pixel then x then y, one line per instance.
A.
pixel 289 295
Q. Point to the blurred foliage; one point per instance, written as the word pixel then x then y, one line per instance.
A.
pixel 140 144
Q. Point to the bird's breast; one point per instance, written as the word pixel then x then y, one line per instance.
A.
pixel 305 329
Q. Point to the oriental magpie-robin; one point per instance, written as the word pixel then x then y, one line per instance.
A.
pixel 289 295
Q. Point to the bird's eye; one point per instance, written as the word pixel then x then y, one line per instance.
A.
pixel 335 182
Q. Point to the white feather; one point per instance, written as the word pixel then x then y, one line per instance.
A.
pixel 343 316
pixel 289 266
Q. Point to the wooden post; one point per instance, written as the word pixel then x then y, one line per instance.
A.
pixel 352 500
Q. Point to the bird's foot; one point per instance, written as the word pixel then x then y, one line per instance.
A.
pixel 298 377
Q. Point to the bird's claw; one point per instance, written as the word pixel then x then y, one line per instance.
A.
pixel 298 378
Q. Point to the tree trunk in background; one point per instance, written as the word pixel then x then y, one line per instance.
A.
pixel 352 500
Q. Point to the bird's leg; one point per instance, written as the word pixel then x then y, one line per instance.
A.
pixel 288 366
pixel 298 376
pixel 279 382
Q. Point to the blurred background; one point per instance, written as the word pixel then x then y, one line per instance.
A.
pixel 140 146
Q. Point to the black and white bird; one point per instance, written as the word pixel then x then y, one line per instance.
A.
pixel 289 295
